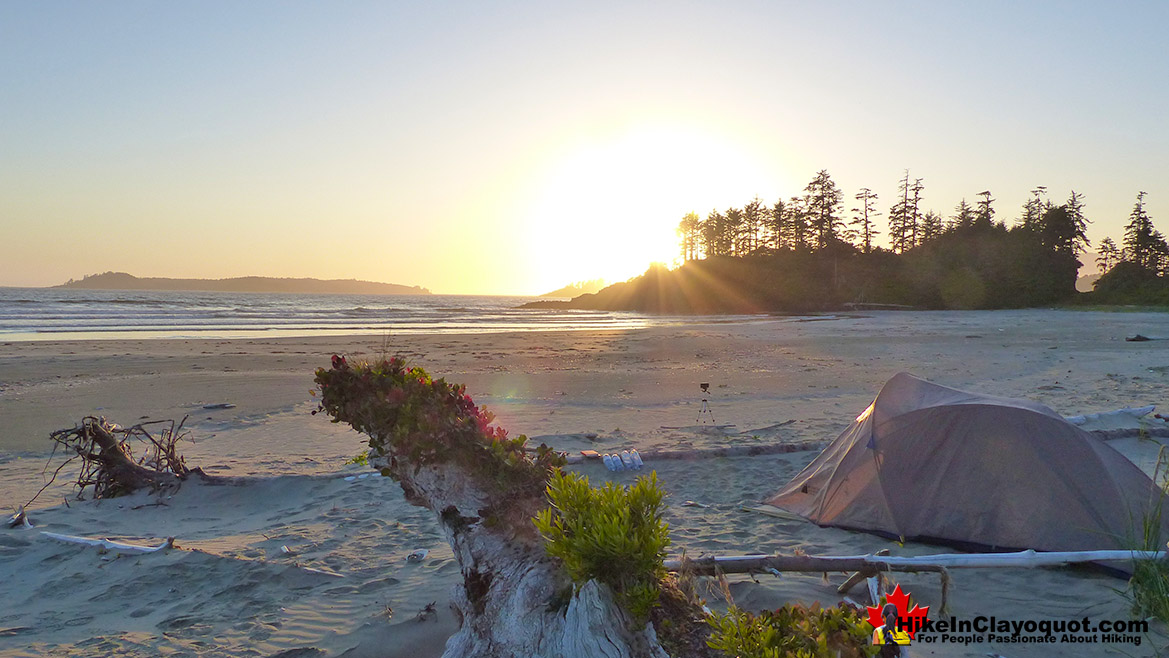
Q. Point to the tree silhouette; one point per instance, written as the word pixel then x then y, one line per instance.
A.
pixel 824 206
pixel 755 216
pixel 776 231
pixel 984 213
pixel 736 231
pixel 712 228
pixel 931 227
pixel 690 236
pixel 1109 255
pixel 963 216
pixel 914 225
pixel 1061 229
pixel 902 224
pixel 1079 223
pixel 865 215
pixel 1143 244
pixel 1033 209
pixel 796 224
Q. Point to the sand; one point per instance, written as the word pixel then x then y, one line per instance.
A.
pixel 234 591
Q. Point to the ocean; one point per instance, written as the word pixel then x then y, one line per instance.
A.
pixel 68 314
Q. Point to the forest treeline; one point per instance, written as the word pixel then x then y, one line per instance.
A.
pixel 806 253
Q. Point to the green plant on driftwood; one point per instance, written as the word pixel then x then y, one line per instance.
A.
pixel 484 488
pixel 413 419
pixel 614 534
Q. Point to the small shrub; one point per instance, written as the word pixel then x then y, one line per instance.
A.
pixel 614 534
pixel 1148 589
pixel 742 635
pixel 793 631
pixel 406 413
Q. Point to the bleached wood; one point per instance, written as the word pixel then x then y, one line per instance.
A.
pixel 116 546
pixel 508 598
pixel 757 563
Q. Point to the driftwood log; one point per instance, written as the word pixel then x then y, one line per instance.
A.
pixel 508 600
pixel 1019 559
pixel 514 600
pixel 108 462
pixel 867 566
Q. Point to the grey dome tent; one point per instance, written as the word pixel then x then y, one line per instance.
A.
pixel 928 463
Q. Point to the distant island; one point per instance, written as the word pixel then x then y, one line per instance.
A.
pixel 577 289
pixel 123 281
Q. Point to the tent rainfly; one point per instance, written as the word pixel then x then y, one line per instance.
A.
pixel 928 463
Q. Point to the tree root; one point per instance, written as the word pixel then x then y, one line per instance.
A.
pixel 108 462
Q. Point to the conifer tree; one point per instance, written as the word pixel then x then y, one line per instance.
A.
pixel 1108 256
pixel 931 226
pixel 796 223
pixel 900 224
pixel 963 216
pixel 1062 229
pixel 1143 244
pixel 754 220
pixel 712 229
pixel 776 229
pixel 689 235
pixel 914 219
pixel 736 232
pixel 865 215
pixel 984 213
pixel 824 205
pixel 1033 210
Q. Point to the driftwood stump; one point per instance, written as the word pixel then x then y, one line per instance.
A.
pixel 514 600
pixel 108 462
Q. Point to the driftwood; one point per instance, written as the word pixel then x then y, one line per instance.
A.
pixel 110 545
pixel 759 449
pixel 514 600
pixel 752 450
pixel 19 519
pixel 108 463
pixel 870 565
pixel 863 574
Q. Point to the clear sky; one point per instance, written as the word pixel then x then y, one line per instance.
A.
pixel 513 147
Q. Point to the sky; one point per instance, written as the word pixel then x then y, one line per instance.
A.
pixel 514 147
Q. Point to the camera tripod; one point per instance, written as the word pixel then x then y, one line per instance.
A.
pixel 704 413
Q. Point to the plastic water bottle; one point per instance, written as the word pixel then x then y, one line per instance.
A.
pixel 627 461
pixel 637 463
pixel 608 459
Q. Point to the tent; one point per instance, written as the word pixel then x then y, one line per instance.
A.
pixel 928 463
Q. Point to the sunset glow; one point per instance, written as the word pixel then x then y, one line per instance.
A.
pixel 597 212
pixel 513 149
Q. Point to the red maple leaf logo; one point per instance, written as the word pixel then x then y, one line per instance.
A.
pixel 911 620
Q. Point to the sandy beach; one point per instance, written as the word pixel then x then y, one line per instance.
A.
pixel 307 554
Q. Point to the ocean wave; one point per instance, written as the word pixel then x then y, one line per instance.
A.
pixel 26 313
pixel 120 300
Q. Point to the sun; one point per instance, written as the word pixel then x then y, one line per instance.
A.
pixel 608 208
